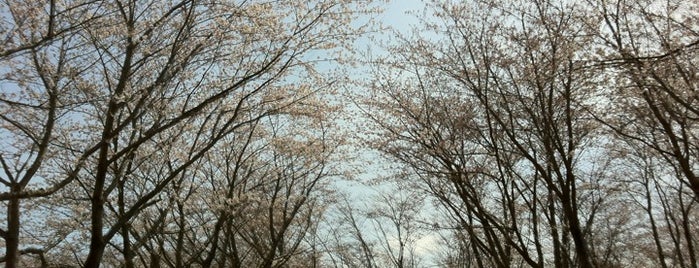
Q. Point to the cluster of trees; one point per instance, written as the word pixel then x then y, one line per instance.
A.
pixel 167 133
pixel 208 134
pixel 552 133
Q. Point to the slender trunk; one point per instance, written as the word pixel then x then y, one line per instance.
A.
pixel 97 242
pixel 474 242
pixel 565 243
pixel 557 252
pixel 688 233
pixel 12 239
pixel 654 227
pixel 236 262
pixel 581 248
pixel 535 225
pixel 179 246
pixel 211 255
pixel 128 252
pixel 154 260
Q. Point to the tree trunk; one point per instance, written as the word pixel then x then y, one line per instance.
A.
pixel 97 242
pixel 581 248
pixel 12 236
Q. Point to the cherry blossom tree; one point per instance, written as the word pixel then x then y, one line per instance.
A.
pixel 648 51
pixel 113 103
pixel 491 110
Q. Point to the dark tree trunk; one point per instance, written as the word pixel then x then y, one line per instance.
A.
pixel 12 235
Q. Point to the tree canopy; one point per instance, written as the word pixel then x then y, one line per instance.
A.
pixel 226 133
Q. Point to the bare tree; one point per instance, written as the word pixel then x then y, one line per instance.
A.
pixel 382 231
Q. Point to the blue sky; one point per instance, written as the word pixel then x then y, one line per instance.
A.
pixel 395 15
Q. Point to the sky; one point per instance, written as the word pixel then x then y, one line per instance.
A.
pixel 395 15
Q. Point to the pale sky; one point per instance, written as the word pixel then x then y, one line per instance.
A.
pixel 395 13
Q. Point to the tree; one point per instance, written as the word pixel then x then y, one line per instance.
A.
pixel 251 202
pixel 648 49
pixel 653 48
pixel 490 110
pixel 123 99
pixel 383 233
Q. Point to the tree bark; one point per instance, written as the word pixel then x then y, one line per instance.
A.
pixel 12 235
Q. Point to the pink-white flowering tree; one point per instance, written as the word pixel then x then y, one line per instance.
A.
pixel 106 105
pixel 502 111
pixel 647 51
